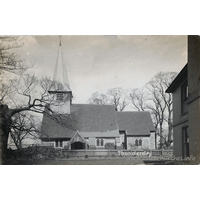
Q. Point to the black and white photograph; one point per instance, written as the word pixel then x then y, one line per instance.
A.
pixel 100 100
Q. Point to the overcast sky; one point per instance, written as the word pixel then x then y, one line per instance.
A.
pixel 97 63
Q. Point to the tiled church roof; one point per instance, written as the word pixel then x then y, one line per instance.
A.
pixel 52 128
pixel 135 123
pixel 96 121
pixel 95 118
pixel 86 118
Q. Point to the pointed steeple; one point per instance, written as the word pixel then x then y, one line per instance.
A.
pixel 60 76
pixel 60 41
pixel 60 92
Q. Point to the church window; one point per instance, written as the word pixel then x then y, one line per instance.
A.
pixel 59 96
pixel 140 142
pixel 101 142
pixel 58 143
pixel 136 142
pixel 98 142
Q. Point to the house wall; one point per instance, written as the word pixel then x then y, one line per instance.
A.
pixel 191 119
pixel 194 96
pixel 179 121
pixel 194 130
pixel 178 140
pixel 178 118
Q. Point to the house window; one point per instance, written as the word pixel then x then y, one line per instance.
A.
pixel 185 139
pixel 184 91
pixel 58 143
pixel 100 142
pixel 136 142
pixel 59 96
pixel 140 142
pixel 184 96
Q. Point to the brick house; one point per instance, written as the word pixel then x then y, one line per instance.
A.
pixel 83 126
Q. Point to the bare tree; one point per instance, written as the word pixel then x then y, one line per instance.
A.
pixel 10 61
pixel 114 96
pixel 157 87
pixel 28 93
pixel 118 98
pixel 5 91
pixel 32 95
pixel 138 98
pixel 22 127
pixel 153 98
pixel 158 106
pixel 99 99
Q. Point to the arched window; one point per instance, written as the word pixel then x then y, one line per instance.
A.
pixel 101 142
pixel 98 142
pixel 140 142
pixel 136 142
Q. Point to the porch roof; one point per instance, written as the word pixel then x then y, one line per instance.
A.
pixel 77 138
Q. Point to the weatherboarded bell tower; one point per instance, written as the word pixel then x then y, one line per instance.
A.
pixel 60 92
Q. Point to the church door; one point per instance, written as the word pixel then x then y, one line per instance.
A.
pixel 77 145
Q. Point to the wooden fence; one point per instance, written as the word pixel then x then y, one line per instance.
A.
pixel 162 152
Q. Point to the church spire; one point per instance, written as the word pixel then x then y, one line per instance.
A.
pixel 60 41
pixel 60 76
pixel 60 95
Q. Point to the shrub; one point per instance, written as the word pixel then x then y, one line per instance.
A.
pixel 109 145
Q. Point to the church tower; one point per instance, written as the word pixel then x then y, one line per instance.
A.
pixel 60 92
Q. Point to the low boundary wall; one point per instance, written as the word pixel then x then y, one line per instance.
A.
pixel 114 153
pixel 50 152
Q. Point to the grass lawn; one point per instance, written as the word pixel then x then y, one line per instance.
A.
pixel 77 161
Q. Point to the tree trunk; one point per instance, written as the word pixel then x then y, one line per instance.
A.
pixel 5 121
pixel 156 139
pixel 170 128
pixel 161 138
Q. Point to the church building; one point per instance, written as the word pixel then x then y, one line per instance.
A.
pixel 86 126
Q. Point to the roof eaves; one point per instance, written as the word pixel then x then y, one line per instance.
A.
pixel 177 81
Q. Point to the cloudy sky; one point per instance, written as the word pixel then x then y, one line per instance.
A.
pixel 97 63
